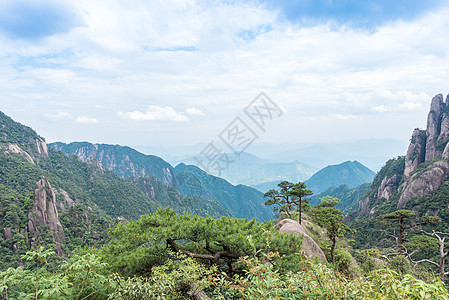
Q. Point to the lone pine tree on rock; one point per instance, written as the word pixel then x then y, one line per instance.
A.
pixel 288 197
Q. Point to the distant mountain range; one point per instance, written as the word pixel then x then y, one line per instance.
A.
pixel 370 152
pixel 350 174
pixel 250 170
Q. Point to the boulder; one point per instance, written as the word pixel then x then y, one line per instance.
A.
pixel 310 247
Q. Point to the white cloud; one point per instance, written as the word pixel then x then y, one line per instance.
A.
pixel 192 54
pixel 86 120
pixel 194 111
pixel 155 113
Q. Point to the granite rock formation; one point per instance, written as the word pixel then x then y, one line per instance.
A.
pixel 44 215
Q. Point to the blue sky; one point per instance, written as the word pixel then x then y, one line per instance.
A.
pixel 178 72
pixel 366 14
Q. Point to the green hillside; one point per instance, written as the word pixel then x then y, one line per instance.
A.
pixel 88 198
pixel 241 201
pixel 349 197
pixel 350 173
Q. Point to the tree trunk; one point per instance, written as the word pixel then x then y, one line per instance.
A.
pixel 334 241
pixel 300 216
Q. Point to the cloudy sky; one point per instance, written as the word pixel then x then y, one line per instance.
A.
pixel 173 72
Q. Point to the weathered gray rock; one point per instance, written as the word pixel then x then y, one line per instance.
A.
pixel 387 186
pixel 99 168
pixel 68 202
pixel 444 130
pixel 446 152
pixel 433 127
pixel 45 215
pixel 42 147
pixel 364 206
pixel 310 247
pixel 416 152
pixel 7 233
pixel 16 149
pixel 424 183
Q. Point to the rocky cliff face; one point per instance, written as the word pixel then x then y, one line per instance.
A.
pixel 123 161
pixel 44 215
pixel 425 167
pixel 416 153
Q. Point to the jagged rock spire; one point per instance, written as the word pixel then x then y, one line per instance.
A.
pixel 44 215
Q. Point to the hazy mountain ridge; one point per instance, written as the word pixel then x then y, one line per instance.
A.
pixel 370 152
pixel 350 173
pixel 248 169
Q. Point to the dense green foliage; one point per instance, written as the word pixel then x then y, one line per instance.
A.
pixel 241 201
pixel 169 196
pixel 349 197
pixel 135 247
pixel 330 218
pixel 366 233
pixel 165 255
pixel 260 274
pixel 89 198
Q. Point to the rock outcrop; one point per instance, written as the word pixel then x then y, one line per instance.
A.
pixel 44 215
pixel 433 127
pixel 387 186
pixel 310 247
pixel 17 150
pixel 424 183
pixel 416 153
pixel 41 147
pixel 430 146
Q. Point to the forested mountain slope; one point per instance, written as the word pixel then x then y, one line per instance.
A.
pixel 54 199
pixel 239 200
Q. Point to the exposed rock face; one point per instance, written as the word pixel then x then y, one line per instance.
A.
pixel 434 119
pixel 7 233
pixel 424 183
pixel 42 148
pixel 123 161
pixel 45 215
pixel 387 187
pixel 416 152
pixel 310 247
pixel 363 206
pixel 16 149
pixel 98 166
